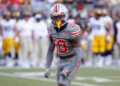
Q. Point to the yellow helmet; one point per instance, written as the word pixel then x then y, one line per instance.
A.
pixel 7 13
pixel 16 14
pixel 98 11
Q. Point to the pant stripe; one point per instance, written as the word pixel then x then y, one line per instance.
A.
pixel 76 70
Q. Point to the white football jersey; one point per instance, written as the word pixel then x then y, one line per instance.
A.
pixel 25 28
pixel 98 26
pixel 108 19
pixel 40 29
pixel 7 28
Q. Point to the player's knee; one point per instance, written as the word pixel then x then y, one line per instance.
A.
pixel 61 85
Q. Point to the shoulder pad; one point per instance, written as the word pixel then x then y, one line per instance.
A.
pixel 75 29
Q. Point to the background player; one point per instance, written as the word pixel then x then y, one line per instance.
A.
pixel 109 36
pixel 7 27
pixel 97 26
pixel 16 16
pixel 66 37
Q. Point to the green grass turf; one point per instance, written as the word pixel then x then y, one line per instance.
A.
pixel 10 81
pixel 112 74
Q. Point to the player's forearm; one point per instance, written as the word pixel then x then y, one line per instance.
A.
pixel 50 55
pixel 78 52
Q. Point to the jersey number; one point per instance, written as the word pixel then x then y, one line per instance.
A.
pixel 62 46
pixel 8 28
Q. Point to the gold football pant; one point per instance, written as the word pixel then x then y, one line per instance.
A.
pixel 99 44
pixel 16 47
pixel 8 43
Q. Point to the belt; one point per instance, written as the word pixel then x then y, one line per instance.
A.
pixel 68 56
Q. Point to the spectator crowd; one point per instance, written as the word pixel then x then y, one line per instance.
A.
pixel 24 36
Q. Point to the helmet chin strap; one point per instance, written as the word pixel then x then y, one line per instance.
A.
pixel 58 24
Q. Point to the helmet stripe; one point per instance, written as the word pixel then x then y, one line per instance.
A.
pixel 56 8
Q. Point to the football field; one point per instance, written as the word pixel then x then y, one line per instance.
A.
pixel 107 76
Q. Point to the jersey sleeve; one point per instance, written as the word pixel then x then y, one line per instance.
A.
pixel 49 29
pixel 75 31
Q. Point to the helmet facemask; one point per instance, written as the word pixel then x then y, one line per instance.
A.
pixel 60 17
pixel 58 20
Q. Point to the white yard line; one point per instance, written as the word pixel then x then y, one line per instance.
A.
pixel 43 79
pixel 97 79
pixel 32 74
pixel 40 74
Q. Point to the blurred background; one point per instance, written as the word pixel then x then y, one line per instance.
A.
pixel 24 36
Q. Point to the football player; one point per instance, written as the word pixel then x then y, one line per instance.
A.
pixel 66 37
pixel 97 27
pixel 7 32
pixel 16 16
pixel 109 37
